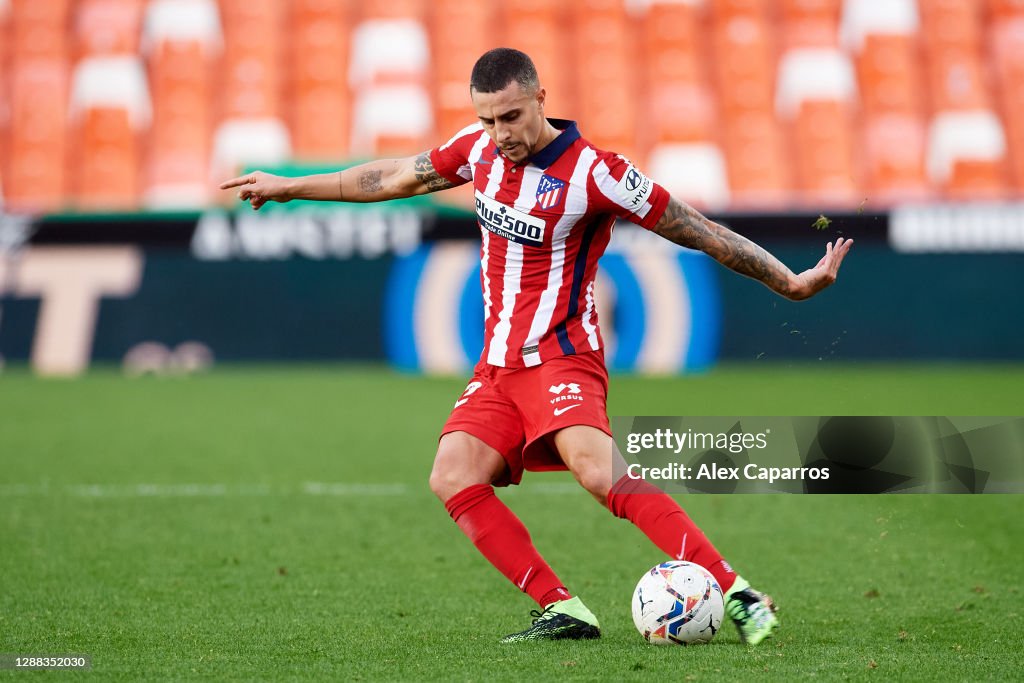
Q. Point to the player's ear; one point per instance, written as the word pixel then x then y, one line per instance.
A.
pixel 541 94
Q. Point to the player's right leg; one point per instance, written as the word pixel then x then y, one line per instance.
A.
pixel 464 472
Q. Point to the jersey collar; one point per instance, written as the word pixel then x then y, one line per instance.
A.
pixel 547 156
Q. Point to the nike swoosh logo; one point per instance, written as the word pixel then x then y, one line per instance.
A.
pixel 682 551
pixel 460 402
pixel 559 411
pixel 525 577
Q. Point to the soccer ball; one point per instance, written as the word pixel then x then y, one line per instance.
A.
pixel 678 603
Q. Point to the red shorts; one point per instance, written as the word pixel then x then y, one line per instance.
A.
pixel 513 409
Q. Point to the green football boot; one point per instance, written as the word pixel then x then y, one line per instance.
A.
pixel 752 612
pixel 563 620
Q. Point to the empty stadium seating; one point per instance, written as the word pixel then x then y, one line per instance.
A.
pixel 132 104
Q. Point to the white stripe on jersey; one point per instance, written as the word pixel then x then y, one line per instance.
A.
pixel 588 326
pixel 606 184
pixel 493 183
pixel 575 207
pixel 513 270
pixel 465 131
pixel 485 250
pixel 475 153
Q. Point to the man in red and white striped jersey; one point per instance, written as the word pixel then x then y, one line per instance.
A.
pixel 546 200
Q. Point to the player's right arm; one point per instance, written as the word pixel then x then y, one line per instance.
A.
pixel 375 181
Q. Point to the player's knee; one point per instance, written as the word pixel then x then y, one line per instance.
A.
pixel 593 476
pixel 445 479
pixel 460 463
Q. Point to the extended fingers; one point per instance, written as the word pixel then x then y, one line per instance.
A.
pixel 236 182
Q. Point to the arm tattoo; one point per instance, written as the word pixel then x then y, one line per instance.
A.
pixel 369 182
pixel 426 174
pixel 685 226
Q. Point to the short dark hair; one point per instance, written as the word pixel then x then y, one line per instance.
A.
pixel 497 68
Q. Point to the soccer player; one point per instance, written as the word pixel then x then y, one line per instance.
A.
pixel 546 200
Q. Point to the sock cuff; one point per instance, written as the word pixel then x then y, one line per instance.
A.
pixel 468 498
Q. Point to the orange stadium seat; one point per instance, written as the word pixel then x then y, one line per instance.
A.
pixel 1000 10
pixel 757 160
pixel 538 31
pixel 893 156
pixel 606 86
pixel 39 29
pixel 677 109
pixel 252 69
pixel 183 42
pixel 107 26
pixel 670 26
pixel 35 174
pixel 951 23
pixel 389 52
pixel 5 14
pixel 966 154
pixel 954 58
pixel 729 9
pixel 249 142
pixel 392 112
pixel 393 9
pixel 675 82
pixel 809 23
pixel 823 138
pixel 889 75
pixel 693 172
pixel 109 111
pixel 318 101
pixel 1007 40
pixel 393 120
pixel 882 37
pixel 957 80
pixel 744 62
pixel 459 33
pixel 815 96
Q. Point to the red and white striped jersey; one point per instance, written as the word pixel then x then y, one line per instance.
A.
pixel 544 224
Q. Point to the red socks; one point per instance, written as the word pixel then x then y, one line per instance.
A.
pixel 656 514
pixel 499 535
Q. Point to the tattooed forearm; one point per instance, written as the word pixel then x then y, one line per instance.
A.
pixel 685 226
pixel 426 174
pixel 369 181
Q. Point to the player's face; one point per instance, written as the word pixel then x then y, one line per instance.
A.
pixel 513 117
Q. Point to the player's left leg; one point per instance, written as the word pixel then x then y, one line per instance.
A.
pixel 591 456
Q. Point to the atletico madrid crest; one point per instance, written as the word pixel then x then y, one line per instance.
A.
pixel 549 192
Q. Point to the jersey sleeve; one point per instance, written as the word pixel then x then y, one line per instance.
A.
pixel 623 190
pixel 451 160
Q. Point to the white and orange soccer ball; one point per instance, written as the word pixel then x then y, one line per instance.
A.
pixel 678 603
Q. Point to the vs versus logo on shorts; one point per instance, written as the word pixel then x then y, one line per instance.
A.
pixel 567 397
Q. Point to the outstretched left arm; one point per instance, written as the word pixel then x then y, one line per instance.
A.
pixel 685 226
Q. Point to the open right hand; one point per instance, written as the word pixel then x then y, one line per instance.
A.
pixel 258 188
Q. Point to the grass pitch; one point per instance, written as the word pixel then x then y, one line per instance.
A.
pixel 275 524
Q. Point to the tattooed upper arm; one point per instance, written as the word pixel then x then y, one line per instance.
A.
pixel 685 226
pixel 428 176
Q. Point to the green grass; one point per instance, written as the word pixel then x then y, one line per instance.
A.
pixel 275 524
